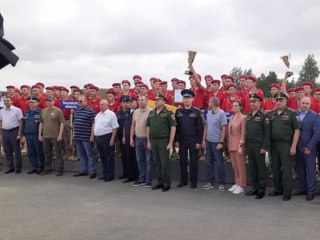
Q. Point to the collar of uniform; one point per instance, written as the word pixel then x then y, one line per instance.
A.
pixel 10 108
pixel 285 110
pixel 214 112
pixel 37 110
pixel 257 113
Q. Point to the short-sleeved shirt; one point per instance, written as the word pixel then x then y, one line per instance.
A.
pixel 160 123
pixel 51 118
pixel 283 125
pixel 105 122
pixel 10 117
pixel 83 119
pixel 214 121
pixel 140 118
pixel 30 123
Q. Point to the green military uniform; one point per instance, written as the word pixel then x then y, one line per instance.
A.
pixel 257 138
pixel 159 132
pixel 283 126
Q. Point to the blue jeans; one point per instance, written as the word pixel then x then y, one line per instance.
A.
pixel 215 155
pixel 144 159
pixel 86 155
pixel 35 151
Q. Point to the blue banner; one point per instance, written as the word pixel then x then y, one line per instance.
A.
pixel 69 104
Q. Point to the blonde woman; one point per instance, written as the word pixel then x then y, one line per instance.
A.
pixel 236 140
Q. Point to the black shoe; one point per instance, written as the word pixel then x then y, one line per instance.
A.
pixel 193 185
pixel 274 193
pixel 156 187
pixel 39 171
pixel 127 180
pixel 181 184
pixel 60 173
pixel 80 174
pixel 299 192
pixel 45 172
pixel 310 196
pixel 108 179
pixel 32 172
pixel 18 171
pixel 286 197
pixel 259 195
pixel 251 192
pixel 102 178
pixel 9 171
pixel 165 188
pixel 93 175
pixel 122 177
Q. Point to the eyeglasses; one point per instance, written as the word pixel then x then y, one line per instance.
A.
pixel 48 100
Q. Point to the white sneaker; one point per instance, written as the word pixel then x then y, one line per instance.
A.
pixel 238 190
pixel 208 186
pixel 233 188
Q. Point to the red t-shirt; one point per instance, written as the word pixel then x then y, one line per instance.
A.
pixel 95 104
pixel 270 104
pixel 292 103
pixel 114 107
pixel 16 101
pixel 245 99
pixel 316 106
pixel 24 104
pixel 200 97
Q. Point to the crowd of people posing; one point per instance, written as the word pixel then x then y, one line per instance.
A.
pixel 216 117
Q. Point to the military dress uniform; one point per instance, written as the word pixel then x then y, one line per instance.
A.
pixel 189 133
pixel 283 126
pixel 257 138
pixel 159 134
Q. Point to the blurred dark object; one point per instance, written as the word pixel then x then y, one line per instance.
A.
pixel 6 54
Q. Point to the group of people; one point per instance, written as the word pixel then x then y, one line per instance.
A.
pixel 216 117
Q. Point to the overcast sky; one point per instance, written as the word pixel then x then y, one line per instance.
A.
pixel 66 42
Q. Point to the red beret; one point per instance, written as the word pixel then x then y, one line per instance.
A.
pixel 40 84
pixel 291 90
pixel 24 86
pixel 307 84
pixel 10 87
pixel 163 83
pixel 301 88
pixel 56 87
pixel 138 83
pixel 63 89
pixel 137 76
pixel 88 85
pixel 274 85
pixel 35 86
pixel 224 76
pixel 126 81
pixel 50 88
pixel 316 90
pixel 208 76
pixel 78 90
pixel 181 81
pixel 152 79
pixel 253 78
pixel 216 81
pixel 110 91
pixel 174 80
pixel 229 77
pixel 93 87
pixel 18 90
pixel 199 76
pixel 145 86
pixel 75 87
pixel 116 84
pixel 243 76
pixel 157 80
pixel 231 85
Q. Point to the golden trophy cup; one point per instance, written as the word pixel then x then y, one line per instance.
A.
pixel 191 57
pixel 286 60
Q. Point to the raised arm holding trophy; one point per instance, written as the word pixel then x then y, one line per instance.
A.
pixel 286 60
pixel 191 57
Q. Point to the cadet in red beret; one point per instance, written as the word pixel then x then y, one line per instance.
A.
pixel 307 92
pixel 216 92
pixel 35 91
pixel 316 97
pixel 208 81
pixel 182 84
pixel 50 92
pixel 136 78
pixel 77 93
pixel 231 96
pixel 243 85
pixel 113 103
pixel 117 91
pixel 252 88
pixel 270 104
pixel 11 91
pixel 200 99
pixel 94 100
pixel 164 91
pixel 23 100
pixel 291 92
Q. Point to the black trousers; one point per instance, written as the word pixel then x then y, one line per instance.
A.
pixel 106 155
pixel 184 146
pixel 123 156
pixel 12 145
pixel 131 161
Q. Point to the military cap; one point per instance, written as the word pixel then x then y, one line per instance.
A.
pixel 187 93
pixel 124 98
pixel 255 96
pixel 159 96
pixel 33 99
pixel 49 98
pixel 280 95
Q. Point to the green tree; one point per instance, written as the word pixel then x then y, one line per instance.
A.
pixel 309 71
pixel 265 81
pixel 236 72
pixel 248 72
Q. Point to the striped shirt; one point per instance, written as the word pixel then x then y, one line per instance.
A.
pixel 83 119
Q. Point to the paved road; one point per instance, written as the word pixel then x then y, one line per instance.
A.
pixel 49 207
